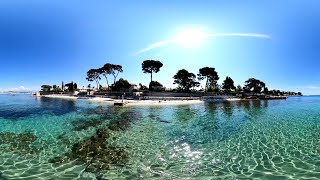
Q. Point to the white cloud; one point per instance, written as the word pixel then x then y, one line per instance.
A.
pixel 23 88
pixel 173 40
pixel 20 88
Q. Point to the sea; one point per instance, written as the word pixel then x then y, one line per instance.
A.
pixel 55 138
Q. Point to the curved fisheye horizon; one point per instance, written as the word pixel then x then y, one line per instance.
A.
pixel 161 89
pixel 237 39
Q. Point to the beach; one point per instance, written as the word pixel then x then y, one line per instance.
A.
pixel 150 102
pixel 160 102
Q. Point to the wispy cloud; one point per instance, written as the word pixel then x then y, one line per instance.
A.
pixel 241 35
pixel 174 40
pixel 155 45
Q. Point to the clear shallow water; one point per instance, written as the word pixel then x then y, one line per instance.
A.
pixel 45 138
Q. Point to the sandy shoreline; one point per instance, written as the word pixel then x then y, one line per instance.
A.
pixel 148 102
pixel 130 102
pixel 160 102
pixel 59 96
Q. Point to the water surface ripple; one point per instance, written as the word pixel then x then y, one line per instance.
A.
pixel 43 138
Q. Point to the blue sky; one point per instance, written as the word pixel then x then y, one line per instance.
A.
pixel 46 42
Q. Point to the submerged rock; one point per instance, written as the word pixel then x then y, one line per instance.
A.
pixel 18 142
pixel 85 124
pixel 95 153
pixel 119 125
pixel 64 139
pixel 123 121
pixel 56 160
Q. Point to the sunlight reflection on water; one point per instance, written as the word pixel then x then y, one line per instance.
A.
pixel 245 139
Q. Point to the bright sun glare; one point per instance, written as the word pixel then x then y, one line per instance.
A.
pixel 191 37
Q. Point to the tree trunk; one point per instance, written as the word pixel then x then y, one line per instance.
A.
pixel 97 82
pixel 107 81
pixel 205 88
pixel 150 87
pixel 115 77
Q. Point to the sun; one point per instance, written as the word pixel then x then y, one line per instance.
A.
pixel 191 37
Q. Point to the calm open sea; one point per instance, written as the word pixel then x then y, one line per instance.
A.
pixel 47 138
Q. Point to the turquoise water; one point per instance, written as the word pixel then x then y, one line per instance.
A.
pixel 44 138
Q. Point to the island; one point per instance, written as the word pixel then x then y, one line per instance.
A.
pixel 188 90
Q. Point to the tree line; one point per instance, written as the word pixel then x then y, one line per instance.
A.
pixel 185 80
pixel 69 87
pixel 107 70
